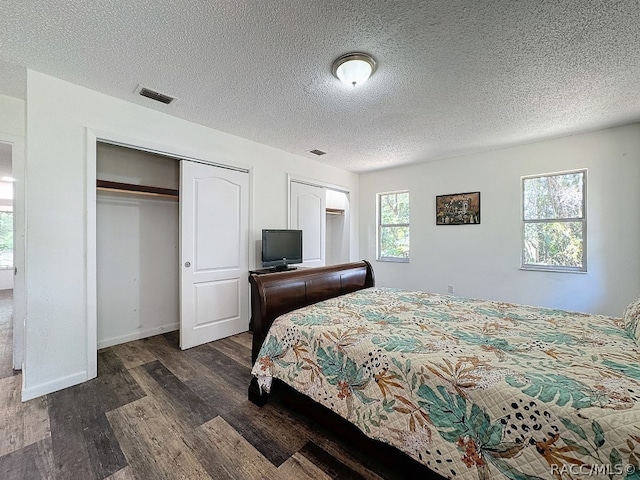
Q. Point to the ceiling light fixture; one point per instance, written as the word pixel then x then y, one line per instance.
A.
pixel 354 68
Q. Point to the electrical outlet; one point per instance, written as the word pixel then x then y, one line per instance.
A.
pixel 451 289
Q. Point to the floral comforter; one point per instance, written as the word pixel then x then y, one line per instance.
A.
pixel 471 388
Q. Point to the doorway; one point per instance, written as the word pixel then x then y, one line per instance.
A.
pixel 6 261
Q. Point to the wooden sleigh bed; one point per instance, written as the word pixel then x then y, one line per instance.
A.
pixel 466 388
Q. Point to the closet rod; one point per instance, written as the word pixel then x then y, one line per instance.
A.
pixel 106 185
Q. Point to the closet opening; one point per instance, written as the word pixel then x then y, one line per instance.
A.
pixel 338 239
pixel 137 244
pixel 323 214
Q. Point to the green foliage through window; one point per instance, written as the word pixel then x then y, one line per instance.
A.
pixel 393 226
pixel 6 239
pixel 554 218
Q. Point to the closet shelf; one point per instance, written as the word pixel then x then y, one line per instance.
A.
pixel 106 185
pixel 335 211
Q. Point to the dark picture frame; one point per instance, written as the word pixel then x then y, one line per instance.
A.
pixel 458 209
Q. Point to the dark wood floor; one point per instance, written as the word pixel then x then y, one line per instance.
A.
pixel 6 333
pixel 155 412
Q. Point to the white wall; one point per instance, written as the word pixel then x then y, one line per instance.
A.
pixel 483 260
pixel 59 199
pixel 137 267
pixel 11 116
pixel 6 278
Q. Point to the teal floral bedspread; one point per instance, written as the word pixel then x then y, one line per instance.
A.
pixel 474 389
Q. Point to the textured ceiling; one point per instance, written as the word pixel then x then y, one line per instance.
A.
pixel 453 77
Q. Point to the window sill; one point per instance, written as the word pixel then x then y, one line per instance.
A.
pixel 550 269
pixel 394 260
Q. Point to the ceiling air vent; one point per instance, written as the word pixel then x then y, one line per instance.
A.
pixel 157 96
pixel 315 151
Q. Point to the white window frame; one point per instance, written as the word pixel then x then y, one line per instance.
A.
pixel 379 257
pixel 583 220
pixel 9 210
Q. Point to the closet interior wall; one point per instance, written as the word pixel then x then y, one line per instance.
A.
pixel 337 228
pixel 137 245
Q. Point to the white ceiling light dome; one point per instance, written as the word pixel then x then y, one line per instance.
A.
pixel 354 68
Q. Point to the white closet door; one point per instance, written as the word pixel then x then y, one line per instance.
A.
pixel 214 248
pixel 308 213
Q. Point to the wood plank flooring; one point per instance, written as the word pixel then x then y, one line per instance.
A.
pixel 6 333
pixel 155 412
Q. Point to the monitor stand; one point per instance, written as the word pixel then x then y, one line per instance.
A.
pixel 283 268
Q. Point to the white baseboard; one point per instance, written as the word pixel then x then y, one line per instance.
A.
pixel 130 337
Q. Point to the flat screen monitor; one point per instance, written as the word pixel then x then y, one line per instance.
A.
pixel 281 248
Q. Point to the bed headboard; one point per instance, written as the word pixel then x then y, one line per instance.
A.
pixel 273 294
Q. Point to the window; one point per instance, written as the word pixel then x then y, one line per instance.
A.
pixel 6 240
pixel 555 221
pixel 393 226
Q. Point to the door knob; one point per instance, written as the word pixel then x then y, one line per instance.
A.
pixel 187 264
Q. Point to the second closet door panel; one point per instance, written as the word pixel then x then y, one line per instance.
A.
pixel 214 245
pixel 307 213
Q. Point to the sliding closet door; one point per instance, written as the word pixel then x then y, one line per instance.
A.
pixel 307 213
pixel 214 248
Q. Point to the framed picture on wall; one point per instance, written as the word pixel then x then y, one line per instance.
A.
pixel 458 209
